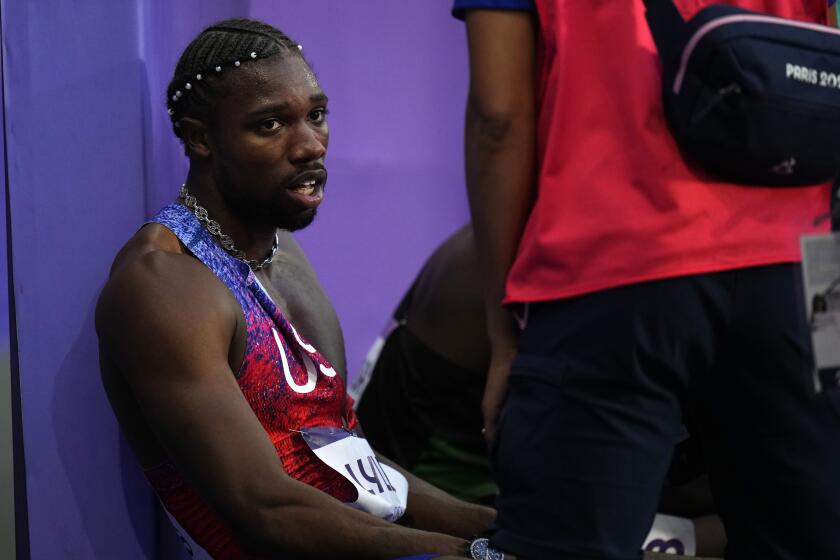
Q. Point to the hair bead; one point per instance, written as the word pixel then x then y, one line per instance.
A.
pixel 226 43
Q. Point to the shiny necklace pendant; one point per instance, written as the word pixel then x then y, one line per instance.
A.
pixel 225 240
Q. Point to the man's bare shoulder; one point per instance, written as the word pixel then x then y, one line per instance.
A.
pixel 152 239
pixel 154 280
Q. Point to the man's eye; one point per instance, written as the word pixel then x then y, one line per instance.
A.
pixel 318 115
pixel 271 124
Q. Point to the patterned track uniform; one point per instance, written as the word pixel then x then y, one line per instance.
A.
pixel 287 382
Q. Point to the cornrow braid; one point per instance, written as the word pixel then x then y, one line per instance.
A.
pixel 198 82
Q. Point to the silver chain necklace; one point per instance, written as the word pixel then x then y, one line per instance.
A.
pixel 215 229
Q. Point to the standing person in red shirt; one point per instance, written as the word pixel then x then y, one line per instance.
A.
pixel 644 288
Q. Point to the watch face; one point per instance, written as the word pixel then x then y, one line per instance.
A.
pixel 480 550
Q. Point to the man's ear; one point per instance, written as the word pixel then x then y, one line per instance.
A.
pixel 196 137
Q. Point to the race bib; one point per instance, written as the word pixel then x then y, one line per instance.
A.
pixel 671 535
pixel 821 274
pixel 383 491
pixel 193 550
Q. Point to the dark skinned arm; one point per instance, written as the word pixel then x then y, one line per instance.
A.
pixel 167 323
pixel 431 509
pixel 500 161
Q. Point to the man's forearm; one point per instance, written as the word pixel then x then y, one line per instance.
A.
pixel 347 539
pixel 432 509
pixel 309 524
pixel 500 176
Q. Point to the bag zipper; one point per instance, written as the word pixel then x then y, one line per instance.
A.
pixel 733 88
pixel 739 18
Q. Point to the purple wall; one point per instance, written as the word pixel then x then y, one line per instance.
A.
pixel 396 75
pixel 91 154
pixel 74 108
pixel 8 389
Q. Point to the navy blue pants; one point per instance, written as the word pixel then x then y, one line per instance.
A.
pixel 595 407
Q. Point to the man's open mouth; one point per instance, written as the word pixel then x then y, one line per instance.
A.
pixel 306 188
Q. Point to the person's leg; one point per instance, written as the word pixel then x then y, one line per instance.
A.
pixel 592 415
pixel 772 444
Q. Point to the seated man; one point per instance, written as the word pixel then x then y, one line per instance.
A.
pixel 220 354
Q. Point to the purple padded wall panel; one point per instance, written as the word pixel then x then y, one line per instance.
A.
pixel 396 75
pixel 73 103
pixel 83 139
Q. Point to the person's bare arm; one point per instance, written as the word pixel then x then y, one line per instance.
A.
pixel 431 509
pixel 167 323
pixel 500 159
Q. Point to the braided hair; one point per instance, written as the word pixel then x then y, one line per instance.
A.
pixel 199 79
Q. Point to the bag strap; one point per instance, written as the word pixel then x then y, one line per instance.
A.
pixel 667 27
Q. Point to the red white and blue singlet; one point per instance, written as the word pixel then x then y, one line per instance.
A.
pixel 287 382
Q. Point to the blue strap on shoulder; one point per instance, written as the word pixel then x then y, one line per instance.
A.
pixel 667 27
pixel 460 6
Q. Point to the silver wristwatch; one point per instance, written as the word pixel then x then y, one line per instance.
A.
pixel 480 549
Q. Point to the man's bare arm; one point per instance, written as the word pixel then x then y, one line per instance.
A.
pixel 500 154
pixel 431 509
pixel 167 323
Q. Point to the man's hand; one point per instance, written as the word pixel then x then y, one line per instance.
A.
pixel 503 349
pixel 461 519
pixel 494 393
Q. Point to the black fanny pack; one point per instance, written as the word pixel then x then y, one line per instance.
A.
pixel 751 97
